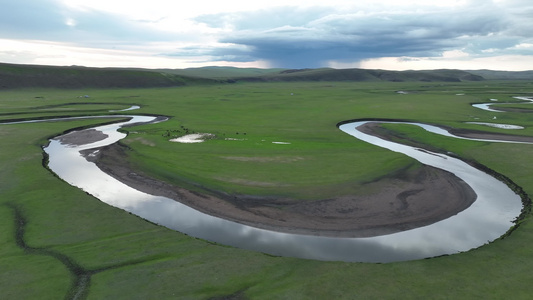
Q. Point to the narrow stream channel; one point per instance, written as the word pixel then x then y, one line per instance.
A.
pixel 488 218
pixel 487 106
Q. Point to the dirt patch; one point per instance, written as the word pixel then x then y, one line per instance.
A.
pixel 82 137
pixel 142 141
pixel 412 198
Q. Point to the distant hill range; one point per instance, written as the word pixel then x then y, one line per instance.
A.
pixel 28 76
pixel 503 75
pixel 326 74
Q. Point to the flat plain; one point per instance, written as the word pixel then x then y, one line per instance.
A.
pixel 57 241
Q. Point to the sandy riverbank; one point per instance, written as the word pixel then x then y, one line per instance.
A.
pixel 413 198
pixel 82 137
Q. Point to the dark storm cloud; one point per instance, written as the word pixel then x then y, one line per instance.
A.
pixel 234 54
pixel 320 35
pixel 288 36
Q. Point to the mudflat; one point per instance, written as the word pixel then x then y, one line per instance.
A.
pixel 82 137
pixel 406 200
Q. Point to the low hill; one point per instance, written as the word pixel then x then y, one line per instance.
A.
pixel 322 74
pixel 27 76
pixel 503 75
pixel 329 74
pixel 221 72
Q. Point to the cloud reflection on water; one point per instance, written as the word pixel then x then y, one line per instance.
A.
pixel 485 220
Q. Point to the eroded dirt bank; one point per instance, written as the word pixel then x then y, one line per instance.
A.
pixel 410 199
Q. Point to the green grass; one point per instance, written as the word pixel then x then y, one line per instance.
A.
pixel 74 77
pixel 319 162
pixel 129 258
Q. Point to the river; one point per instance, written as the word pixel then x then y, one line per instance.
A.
pixel 488 218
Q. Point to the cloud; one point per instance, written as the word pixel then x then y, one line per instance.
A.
pixel 233 53
pixel 27 19
pixel 318 35
pixel 264 19
pixel 50 20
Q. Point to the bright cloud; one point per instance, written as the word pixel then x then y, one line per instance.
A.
pixel 389 34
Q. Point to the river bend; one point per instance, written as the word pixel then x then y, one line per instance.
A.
pixel 488 218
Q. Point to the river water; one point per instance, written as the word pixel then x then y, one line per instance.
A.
pixel 487 106
pixel 488 218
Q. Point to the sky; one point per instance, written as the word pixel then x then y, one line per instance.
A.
pixel 386 34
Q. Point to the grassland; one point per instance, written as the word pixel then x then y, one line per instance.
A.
pixel 56 241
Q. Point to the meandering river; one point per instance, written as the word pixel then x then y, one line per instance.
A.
pixel 488 218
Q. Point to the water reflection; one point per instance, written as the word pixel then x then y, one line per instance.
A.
pixel 489 217
pixel 133 107
pixel 486 106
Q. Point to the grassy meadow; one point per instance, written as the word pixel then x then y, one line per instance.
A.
pixel 56 241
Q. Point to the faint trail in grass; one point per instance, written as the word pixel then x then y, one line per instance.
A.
pixel 79 288
pixel 82 277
